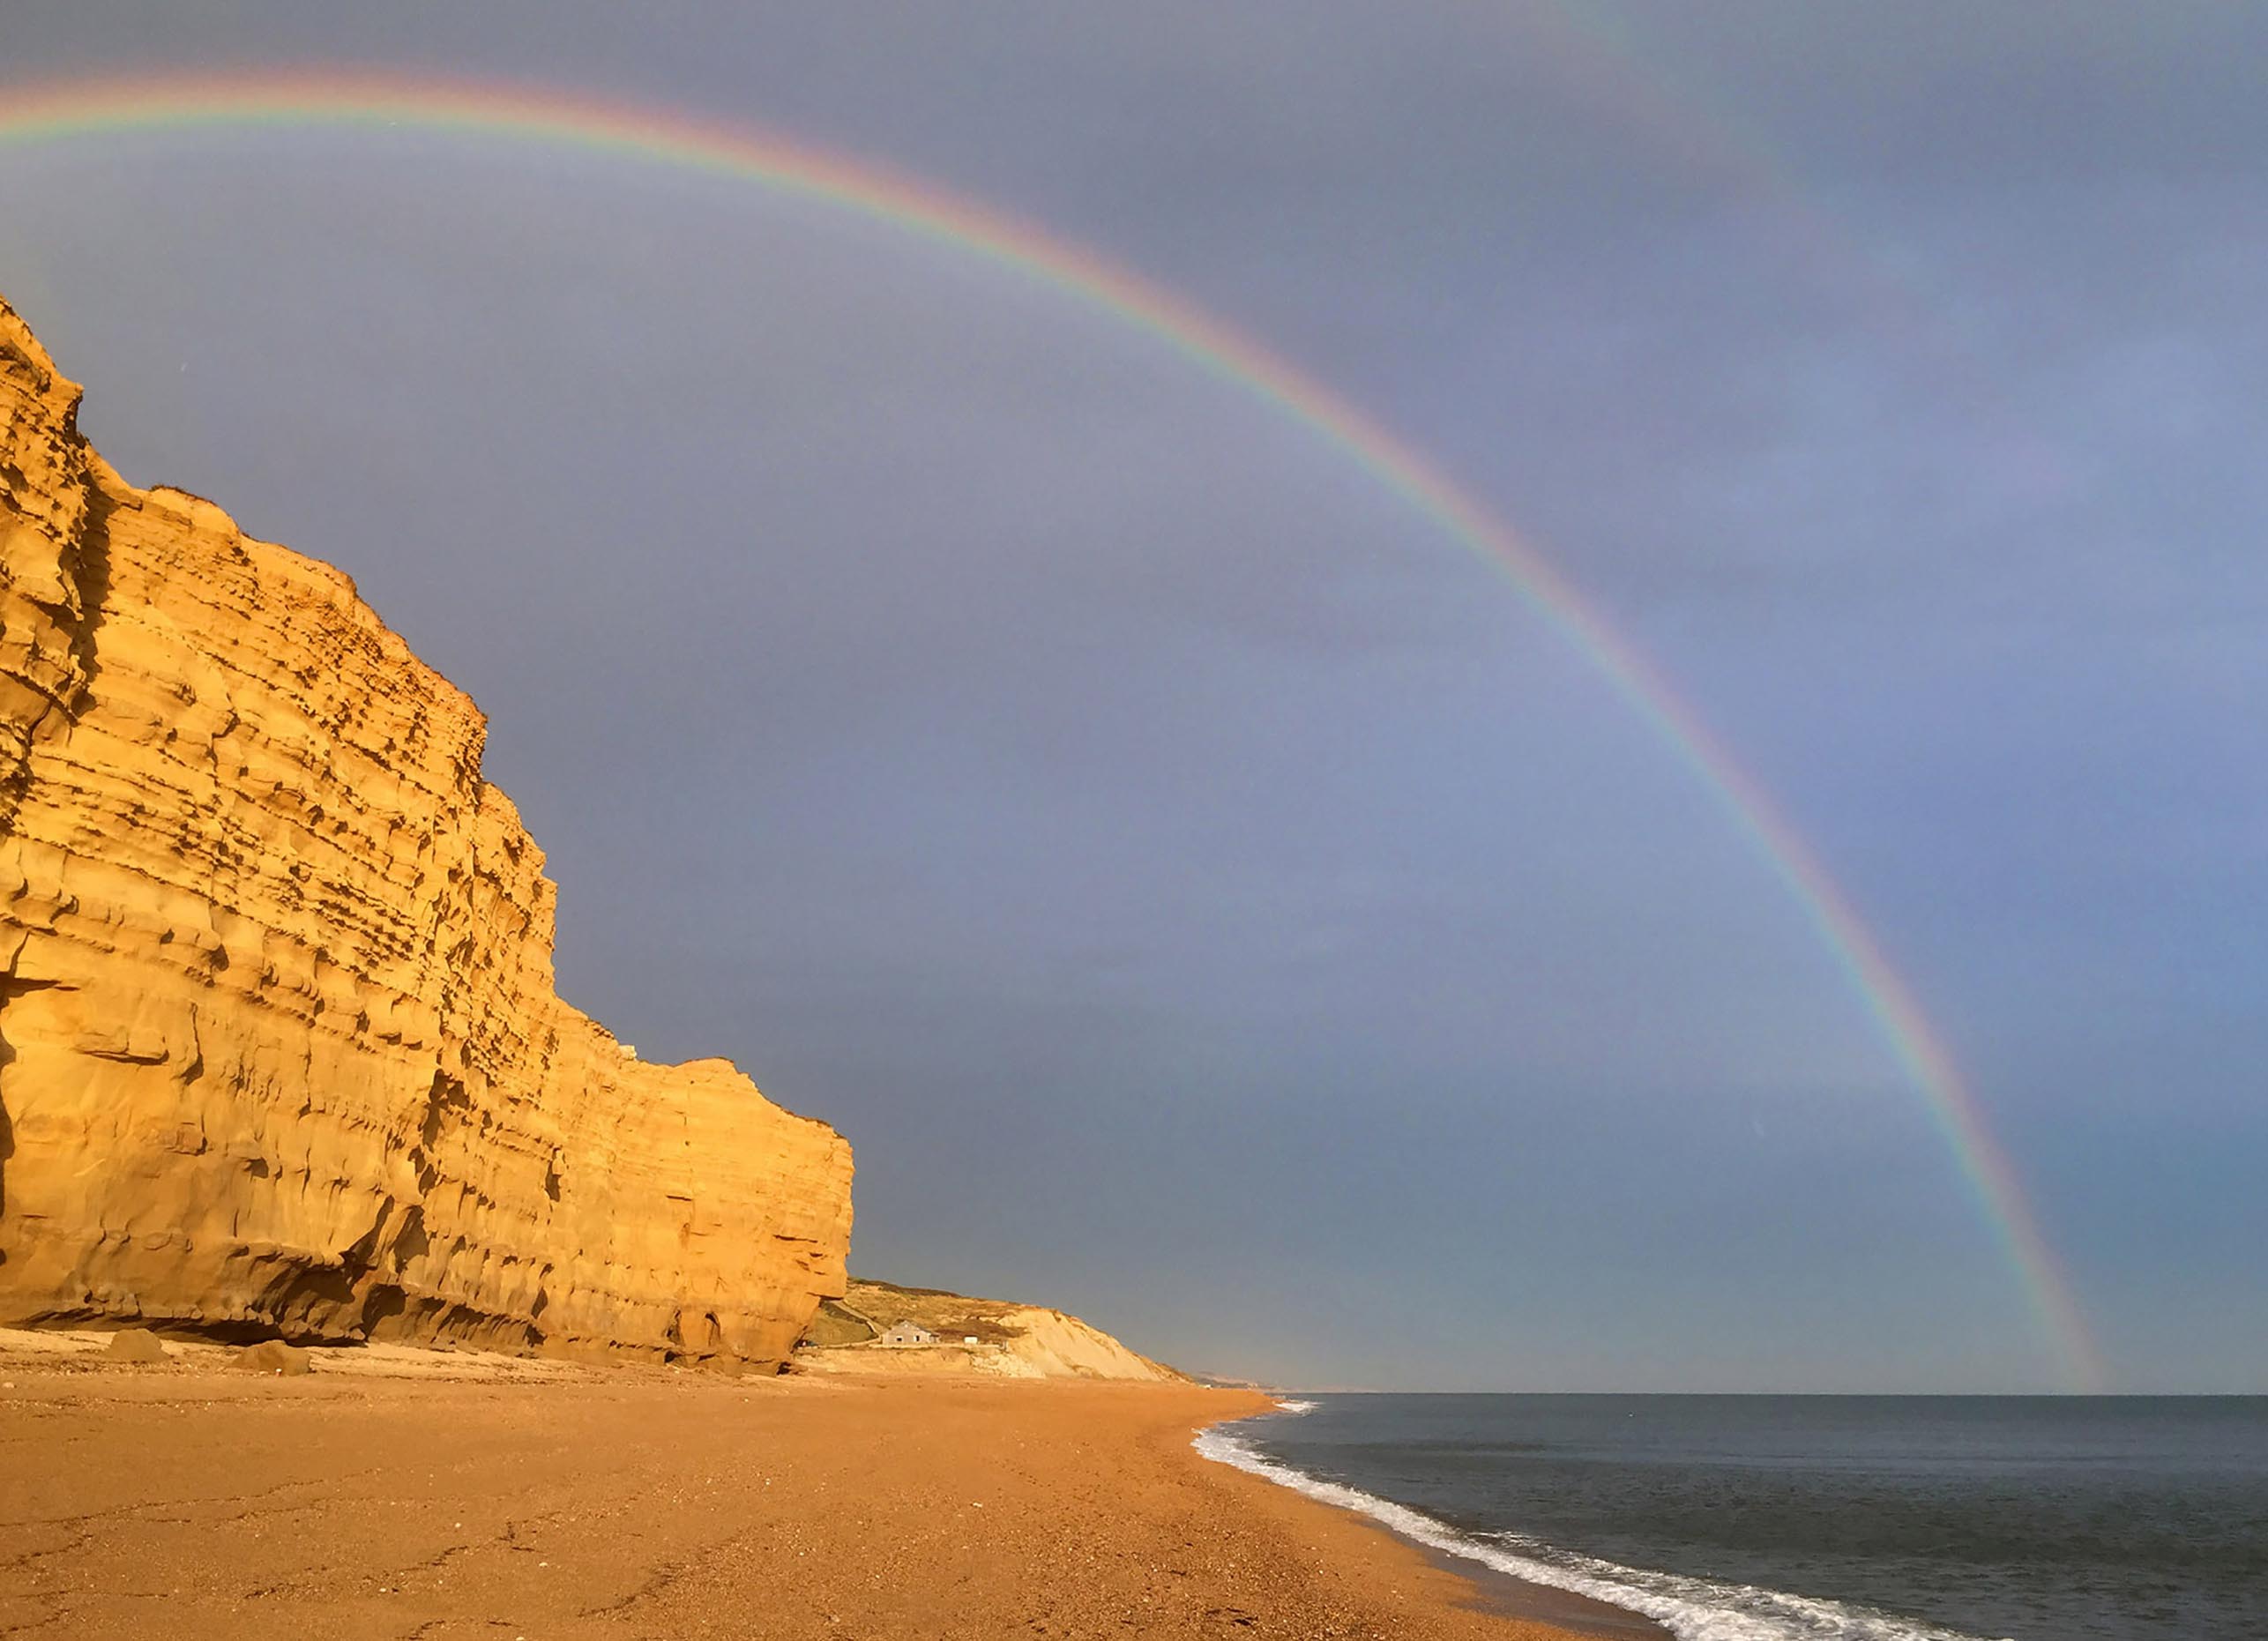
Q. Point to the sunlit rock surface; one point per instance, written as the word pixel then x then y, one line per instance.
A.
pixel 280 1049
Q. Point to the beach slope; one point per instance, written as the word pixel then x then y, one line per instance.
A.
pixel 393 1493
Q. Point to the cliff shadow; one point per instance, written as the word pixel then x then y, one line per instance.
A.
pixel 90 570
pixel 86 561
pixel 11 988
pixel 7 1128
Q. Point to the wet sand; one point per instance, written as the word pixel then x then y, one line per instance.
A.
pixel 444 1497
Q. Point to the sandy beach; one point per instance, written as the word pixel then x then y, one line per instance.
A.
pixel 401 1494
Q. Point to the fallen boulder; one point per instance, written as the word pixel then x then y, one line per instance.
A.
pixel 135 1344
pixel 272 1356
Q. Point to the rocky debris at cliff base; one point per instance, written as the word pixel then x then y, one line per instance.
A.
pixel 85 1351
pixel 135 1344
pixel 272 1356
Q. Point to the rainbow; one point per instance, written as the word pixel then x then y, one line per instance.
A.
pixel 51 112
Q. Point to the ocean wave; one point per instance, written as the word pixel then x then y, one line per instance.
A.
pixel 1690 1608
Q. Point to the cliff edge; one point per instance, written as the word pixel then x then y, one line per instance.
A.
pixel 279 1047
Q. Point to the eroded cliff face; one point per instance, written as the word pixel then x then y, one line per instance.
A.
pixel 280 1048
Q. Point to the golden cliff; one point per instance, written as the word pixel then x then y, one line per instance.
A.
pixel 280 1049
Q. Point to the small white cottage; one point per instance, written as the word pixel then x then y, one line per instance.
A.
pixel 909 1334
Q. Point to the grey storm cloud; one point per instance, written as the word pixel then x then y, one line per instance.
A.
pixel 1207 896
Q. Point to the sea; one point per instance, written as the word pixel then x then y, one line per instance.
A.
pixel 1805 1517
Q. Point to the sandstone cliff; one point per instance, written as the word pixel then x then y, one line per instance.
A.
pixel 279 1049
pixel 971 1335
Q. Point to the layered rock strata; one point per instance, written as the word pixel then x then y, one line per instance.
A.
pixel 279 1047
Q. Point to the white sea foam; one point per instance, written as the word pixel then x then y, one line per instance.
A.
pixel 1692 1610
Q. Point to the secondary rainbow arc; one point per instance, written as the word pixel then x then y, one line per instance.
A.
pixel 56 111
pixel 1714 132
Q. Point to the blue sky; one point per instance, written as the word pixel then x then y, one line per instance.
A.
pixel 1206 898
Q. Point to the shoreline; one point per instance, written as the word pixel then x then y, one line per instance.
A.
pixel 1495 1590
pixel 1542 1603
pixel 451 1495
